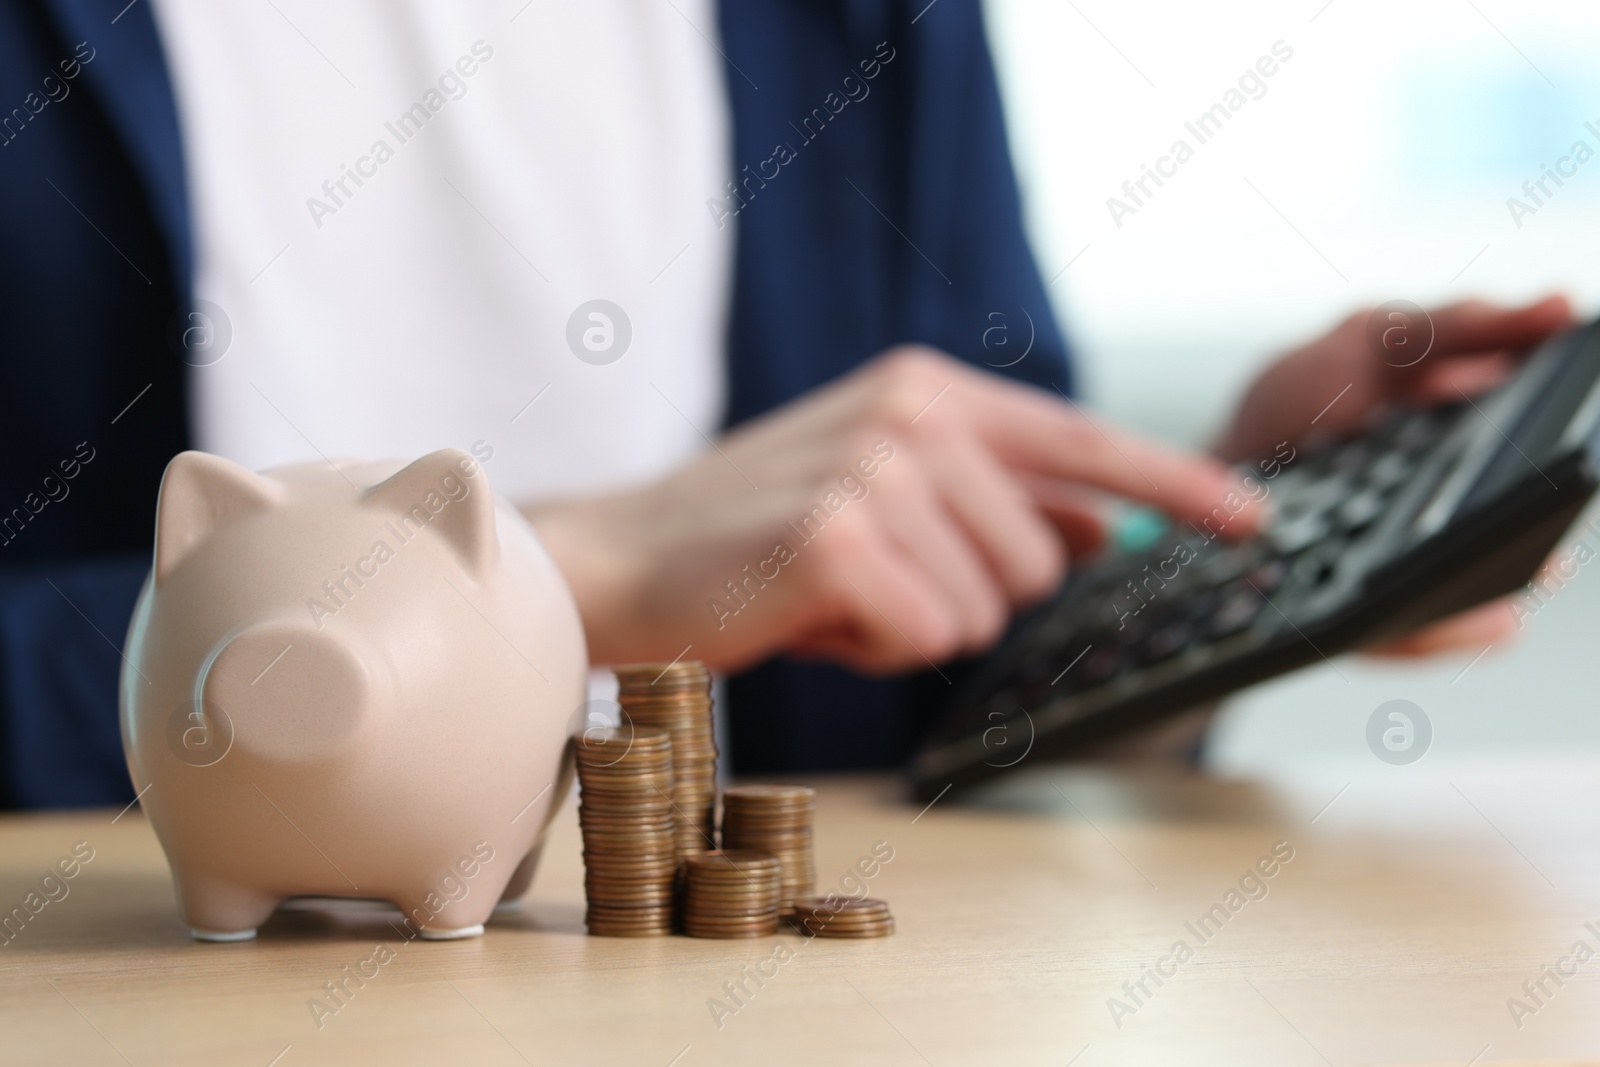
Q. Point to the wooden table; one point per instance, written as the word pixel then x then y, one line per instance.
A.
pixel 1414 906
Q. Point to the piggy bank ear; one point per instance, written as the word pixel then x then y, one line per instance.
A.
pixel 198 493
pixel 446 492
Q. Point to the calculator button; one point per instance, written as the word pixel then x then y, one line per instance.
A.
pixel 1103 662
pixel 1313 497
pixel 1315 568
pixel 1389 470
pixel 1359 511
pixel 1166 640
pixel 1296 534
pixel 1201 605
pixel 1218 565
pixel 1351 457
pixel 1066 676
pixel 1269 576
pixel 1240 606
pixel 1415 433
pixel 1032 670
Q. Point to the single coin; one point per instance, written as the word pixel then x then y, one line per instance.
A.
pixel 843 904
pixel 624 770
pixel 629 883
pixel 623 824
pixel 629 779
pixel 749 876
pixel 728 935
pixel 731 922
pixel 843 914
pixel 630 911
pixel 741 888
pixel 683 666
pixel 608 897
pixel 633 738
pixel 837 924
pixel 637 741
pixel 765 817
pixel 607 868
pixel 718 861
pixel 772 846
pixel 625 749
pixel 744 817
pixel 681 695
pixel 723 890
pixel 664 858
pixel 652 796
pixel 770 843
pixel 759 883
pixel 701 913
pixel 733 890
pixel 745 870
pixel 772 792
pixel 883 929
pixel 643 850
pixel 639 829
pixel 621 920
pixel 656 847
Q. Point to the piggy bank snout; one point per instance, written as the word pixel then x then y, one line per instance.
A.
pixel 291 693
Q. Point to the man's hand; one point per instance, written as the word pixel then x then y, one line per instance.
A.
pixel 1339 381
pixel 889 520
pixel 1476 345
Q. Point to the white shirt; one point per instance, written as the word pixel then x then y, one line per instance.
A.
pixel 399 205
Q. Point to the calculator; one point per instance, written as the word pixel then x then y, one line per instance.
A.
pixel 1430 512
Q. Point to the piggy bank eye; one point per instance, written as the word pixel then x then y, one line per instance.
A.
pixel 292 693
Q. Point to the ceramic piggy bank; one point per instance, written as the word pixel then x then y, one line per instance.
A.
pixel 348 680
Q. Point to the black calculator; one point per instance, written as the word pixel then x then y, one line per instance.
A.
pixel 1431 512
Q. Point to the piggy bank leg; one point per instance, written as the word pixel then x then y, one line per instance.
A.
pixel 453 921
pixel 439 933
pixel 216 911
pixel 521 879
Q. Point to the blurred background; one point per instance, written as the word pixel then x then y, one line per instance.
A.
pixel 1376 166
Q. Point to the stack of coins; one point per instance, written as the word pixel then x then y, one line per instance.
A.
pixel 730 894
pixel 776 820
pixel 836 917
pixel 629 831
pixel 676 697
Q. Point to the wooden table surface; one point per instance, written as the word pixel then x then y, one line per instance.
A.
pixel 1414 906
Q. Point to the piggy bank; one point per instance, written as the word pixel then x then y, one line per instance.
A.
pixel 348 680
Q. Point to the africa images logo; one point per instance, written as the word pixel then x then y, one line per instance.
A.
pixel 599 332
pixel 1399 732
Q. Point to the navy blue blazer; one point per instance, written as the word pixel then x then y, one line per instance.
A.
pixel 869 211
